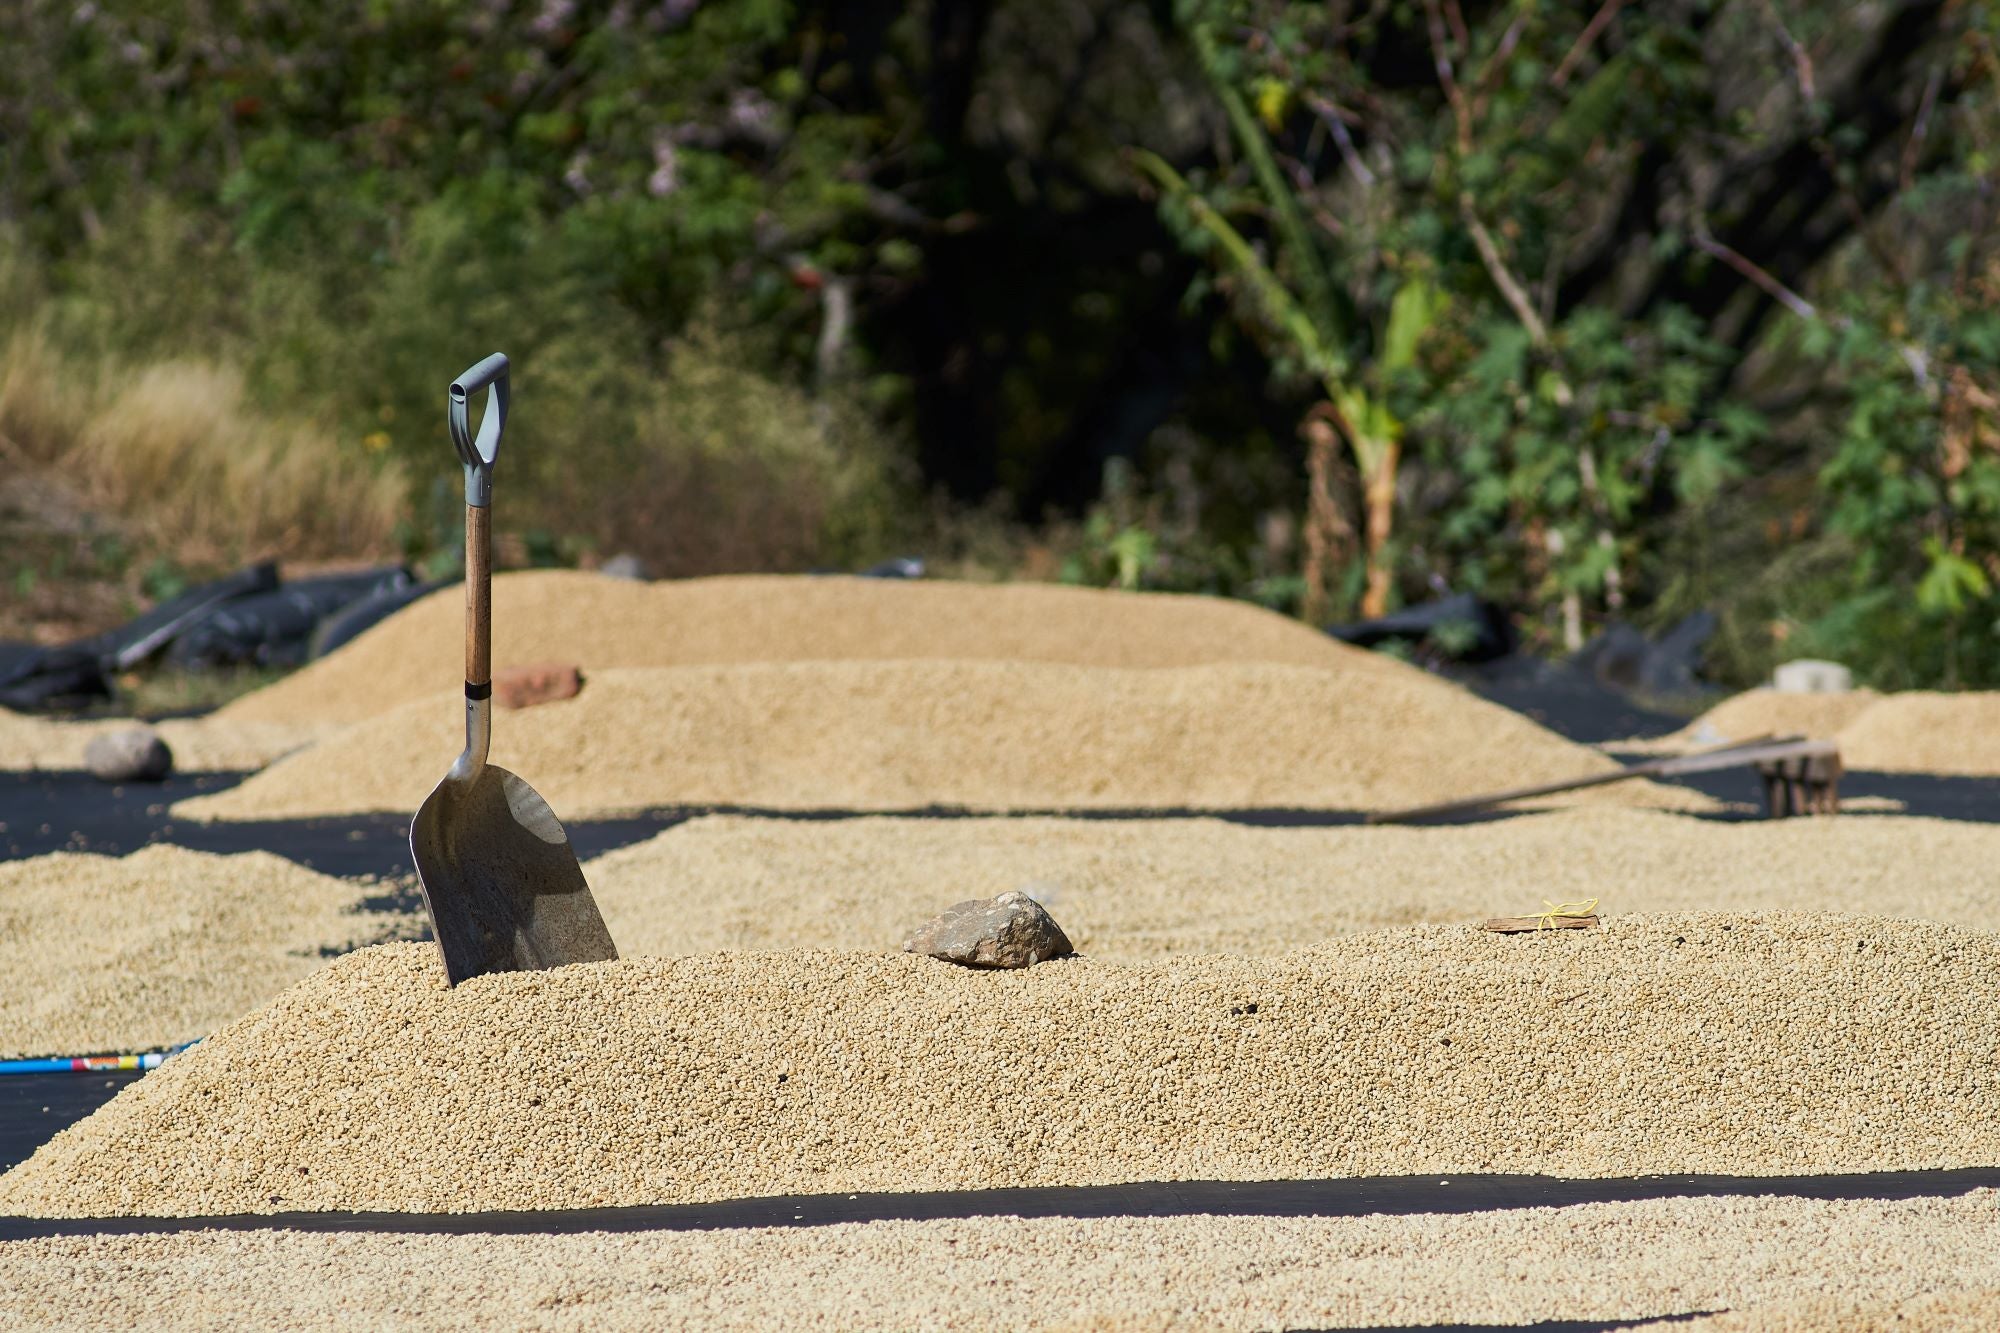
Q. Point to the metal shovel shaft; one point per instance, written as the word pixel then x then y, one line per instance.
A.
pixel 478 641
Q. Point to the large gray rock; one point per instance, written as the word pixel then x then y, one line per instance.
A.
pixel 135 754
pixel 1009 931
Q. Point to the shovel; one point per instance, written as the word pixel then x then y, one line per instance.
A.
pixel 498 875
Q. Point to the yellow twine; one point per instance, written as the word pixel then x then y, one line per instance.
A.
pixel 1547 920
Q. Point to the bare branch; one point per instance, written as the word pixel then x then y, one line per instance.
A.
pixel 1551 280
pixel 1584 41
pixel 1510 287
pixel 1802 65
pixel 1496 65
pixel 1919 131
pixel 1760 277
pixel 1802 74
pixel 837 317
pixel 1302 180
pixel 1441 60
pixel 1336 123
pixel 1342 28
pixel 1463 39
pixel 1914 357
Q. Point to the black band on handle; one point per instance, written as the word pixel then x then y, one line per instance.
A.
pixel 476 692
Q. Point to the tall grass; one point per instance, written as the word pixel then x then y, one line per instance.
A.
pixel 723 469
pixel 177 452
pixel 229 406
pixel 181 449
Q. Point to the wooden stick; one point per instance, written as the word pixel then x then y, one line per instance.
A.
pixel 1738 754
pixel 1514 925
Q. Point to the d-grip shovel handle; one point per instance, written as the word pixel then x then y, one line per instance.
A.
pixel 478 453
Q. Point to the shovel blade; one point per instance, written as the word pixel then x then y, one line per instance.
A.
pixel 500 880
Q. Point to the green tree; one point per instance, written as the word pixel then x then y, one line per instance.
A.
pixel 1535 286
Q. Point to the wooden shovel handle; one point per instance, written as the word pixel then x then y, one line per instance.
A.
pixel 478 600
pixel 479 451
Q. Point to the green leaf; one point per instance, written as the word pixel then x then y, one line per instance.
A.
pixel 1301 255
pixel 1277 302
pixel 1949 582
pixel 1416 306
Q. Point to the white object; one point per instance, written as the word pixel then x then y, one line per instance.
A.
pixel 1807 676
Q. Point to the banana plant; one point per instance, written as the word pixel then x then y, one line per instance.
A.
pixel 1299 303
pixel 1307 320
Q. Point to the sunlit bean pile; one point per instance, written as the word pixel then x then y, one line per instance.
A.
pixel 595 622
pixel 107 954
pixel 1927 733
pixel 1133 890
pixel 1682 1042
pixel 982 735
pixel 99 953
pixel 1766 712
pixel 1917 732
pixel 202 744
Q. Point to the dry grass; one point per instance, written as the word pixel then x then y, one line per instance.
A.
pixel 718 469
pixel 176 449
pixel 180 447
pixel 43 407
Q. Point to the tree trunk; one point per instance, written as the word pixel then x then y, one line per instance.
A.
pixel 1328 535
pixel 1381 491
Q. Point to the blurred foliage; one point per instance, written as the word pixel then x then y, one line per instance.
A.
pixel 1538 446
pixel 1605 311
pixel 1161 539
pixel 350 201
pixel 1401 218
pixel 1913 485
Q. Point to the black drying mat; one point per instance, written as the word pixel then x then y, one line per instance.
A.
pixel 1971 800
pixel 33 1107
pixel 1357 1197
pixel 64 811
pixel 74 812
pixel 1569 702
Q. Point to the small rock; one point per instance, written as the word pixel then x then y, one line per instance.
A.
pixel 536 683
pixel 1009 931
pixel 135 754
pixel 623 567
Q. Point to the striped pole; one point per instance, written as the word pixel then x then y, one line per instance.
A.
pixel 90 1064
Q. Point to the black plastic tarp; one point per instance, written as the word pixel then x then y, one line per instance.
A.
pixel 275 628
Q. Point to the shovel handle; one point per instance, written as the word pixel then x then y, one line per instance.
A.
pixel 478 601
pixel 479 453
